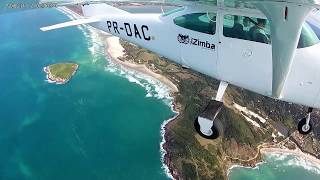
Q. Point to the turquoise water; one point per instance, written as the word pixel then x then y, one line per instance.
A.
pixel 98 126
pixel 103 124
pixel 278 166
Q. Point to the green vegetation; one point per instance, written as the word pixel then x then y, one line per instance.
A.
pixel 187 155
pixel 194 157
pixel 238 128
pixel 63 70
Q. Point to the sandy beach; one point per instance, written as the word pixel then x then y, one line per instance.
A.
pixel 295 152
pixel 115 51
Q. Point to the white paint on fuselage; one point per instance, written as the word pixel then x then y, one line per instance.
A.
pixel 246 64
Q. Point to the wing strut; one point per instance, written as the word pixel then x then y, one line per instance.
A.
pixel 286 22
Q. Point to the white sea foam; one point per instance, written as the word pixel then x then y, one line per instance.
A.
pixel 288 159
pixel 153 87
pixel 283 159
pixel 246 167
pixel 48 80
pixel 276 156
pixel 96 46
pixel 163 141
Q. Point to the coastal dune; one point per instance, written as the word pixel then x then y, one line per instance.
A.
pixel 115 51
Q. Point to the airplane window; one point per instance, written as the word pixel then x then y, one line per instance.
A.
pixel 247 28
pixel 201 22
pixel 308 35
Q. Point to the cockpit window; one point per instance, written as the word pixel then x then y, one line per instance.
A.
pixel 308 35
pixel 247 28
pixel 200 22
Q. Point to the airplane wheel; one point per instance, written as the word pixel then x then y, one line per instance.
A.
pixel 214 135
pixel 302 127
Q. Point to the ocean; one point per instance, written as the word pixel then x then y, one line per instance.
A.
pixel 104 124
pixel 278 166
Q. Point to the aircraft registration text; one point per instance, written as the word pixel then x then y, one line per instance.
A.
pixel 131 30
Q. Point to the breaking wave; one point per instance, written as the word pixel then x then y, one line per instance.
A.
pixel 153 87
pixel 163 152
pixel 287 159
pixel 95 44
pixel 280 160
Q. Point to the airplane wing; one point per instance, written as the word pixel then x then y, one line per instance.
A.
pixel 71 23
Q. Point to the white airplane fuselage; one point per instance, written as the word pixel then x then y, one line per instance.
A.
pixel 243 63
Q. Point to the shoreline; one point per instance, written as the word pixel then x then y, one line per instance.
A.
pixel 163 145
pixel 296 152
pixel 114 50
pixel 51 79
pixel 278 151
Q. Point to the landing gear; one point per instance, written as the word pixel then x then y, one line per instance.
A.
pixel 204 124
pixel 304 125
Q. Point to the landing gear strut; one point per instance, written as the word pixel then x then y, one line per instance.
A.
pixel 304 125
pixel 204 124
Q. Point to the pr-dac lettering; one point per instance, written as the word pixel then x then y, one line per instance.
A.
pixel 138 32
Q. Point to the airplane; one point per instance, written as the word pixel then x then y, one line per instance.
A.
pixel 269 47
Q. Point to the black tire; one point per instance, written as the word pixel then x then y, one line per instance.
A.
pixel 300 125
pixel 215 132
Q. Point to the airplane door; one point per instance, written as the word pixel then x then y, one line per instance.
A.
pixel 197 38
pixel 243 61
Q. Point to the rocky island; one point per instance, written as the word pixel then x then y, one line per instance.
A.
pixel 60 73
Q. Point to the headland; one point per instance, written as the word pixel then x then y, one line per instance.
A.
pixel 252 124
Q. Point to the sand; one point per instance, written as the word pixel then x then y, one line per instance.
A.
pixel 115 51
pixel 295 152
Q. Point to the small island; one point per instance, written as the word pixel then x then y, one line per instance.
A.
pixel 60 73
